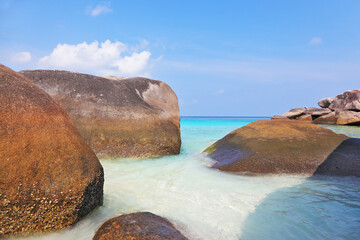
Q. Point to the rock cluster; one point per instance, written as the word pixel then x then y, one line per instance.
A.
pixel 132 117
pixel 141 225
pixel 49 176
pixel 286 146
pixel 341 110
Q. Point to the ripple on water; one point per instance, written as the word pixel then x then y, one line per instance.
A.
pixel 318 208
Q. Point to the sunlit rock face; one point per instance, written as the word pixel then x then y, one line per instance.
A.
pixel 142 225
pixel 349 100
pixel 344 109
pixel 288 147
pixel 132 117
pixel 49 176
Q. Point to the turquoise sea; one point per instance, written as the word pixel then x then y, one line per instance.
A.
pixel 207 204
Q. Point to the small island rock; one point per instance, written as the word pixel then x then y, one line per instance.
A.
pixel 343 109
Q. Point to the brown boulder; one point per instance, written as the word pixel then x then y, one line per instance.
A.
pixel 348 117
pixel 330 118
pixel 134 117
pixel 316 112
pixel 49 177
pixel 325 102
pixel 294 113
pixel 297 113
pixel 274 146
pixel 143 225
pixel 279 117
pixel 306 118
pixel 349 100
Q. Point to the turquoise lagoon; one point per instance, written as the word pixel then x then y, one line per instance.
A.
pixel 207 204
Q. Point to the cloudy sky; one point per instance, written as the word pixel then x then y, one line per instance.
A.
pixel 222 58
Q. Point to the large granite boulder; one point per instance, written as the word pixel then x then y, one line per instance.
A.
pixel 142 225
pixel 133 117
pixel 349 100
pixel 49 176
pixel 277 146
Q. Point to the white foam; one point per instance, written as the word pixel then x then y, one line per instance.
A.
pixel 203 203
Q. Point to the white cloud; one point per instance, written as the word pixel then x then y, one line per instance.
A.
pixel 107 58
pixel 134 63
pixel 316 41
pixel 21 57
pixel 100 9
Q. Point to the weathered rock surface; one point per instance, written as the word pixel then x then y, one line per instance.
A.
pixel 325 102
pixel 49 176
pixel 342 109
pixel 143 225
pixel 133 117
pixel 279 117
pixel 349 100
pixel 317 112
pixel 348 117
pixel 329 118
pixel 294 113
pixel 306 117
pixel 276 146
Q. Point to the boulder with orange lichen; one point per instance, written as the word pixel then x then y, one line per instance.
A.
pixel 288 147
pixel 49 176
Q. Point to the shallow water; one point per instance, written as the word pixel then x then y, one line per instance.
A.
pixel 208 204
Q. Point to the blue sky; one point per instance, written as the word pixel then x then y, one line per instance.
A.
pixel 222 58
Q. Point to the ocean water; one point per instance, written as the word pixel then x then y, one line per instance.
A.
pixel 207 204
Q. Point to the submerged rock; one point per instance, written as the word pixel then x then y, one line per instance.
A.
pixel 49 176
pixel 142 225
pixel 275 146
pixel 133 117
